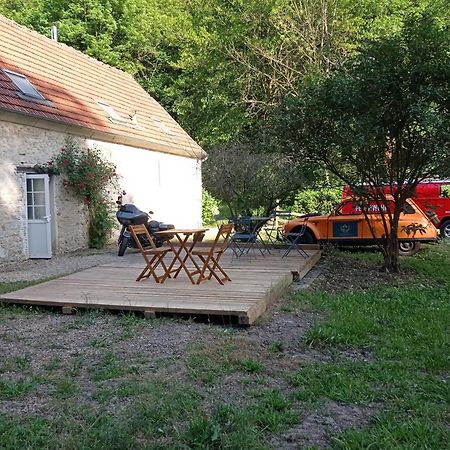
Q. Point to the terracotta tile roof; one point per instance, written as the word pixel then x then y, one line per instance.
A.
pixel 75 83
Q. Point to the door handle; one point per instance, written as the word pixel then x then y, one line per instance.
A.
pixel 47 218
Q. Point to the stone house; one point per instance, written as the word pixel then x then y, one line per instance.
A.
pixel 49 91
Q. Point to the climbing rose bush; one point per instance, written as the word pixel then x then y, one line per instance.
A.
pixel 90 178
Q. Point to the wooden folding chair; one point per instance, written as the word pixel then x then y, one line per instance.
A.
pixel 148 249
pixel 210 257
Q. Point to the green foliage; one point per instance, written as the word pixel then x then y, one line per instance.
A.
pixel 392 433
pixel 382 118
pixel 89 176
pixel 88 173
pixel 316 200
pixel 234 427
pixel 12 389
pixel 66 388
pixel 101 222
pixel 32 433
pixel 19 363
pixel 275 347
pixel 210 208
pixel 340 382
pixel 391 320
pixel 14 286
pixel 219 67
pixel 251 366
pixel 247 181
pixel 208 365
pixel 110 366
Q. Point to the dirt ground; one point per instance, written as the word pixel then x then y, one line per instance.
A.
pixel 53 345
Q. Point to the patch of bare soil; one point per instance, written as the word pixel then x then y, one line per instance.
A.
pixel 342 273
pixel 281 334
pixel 317 428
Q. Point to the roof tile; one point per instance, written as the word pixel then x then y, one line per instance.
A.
pixel 74 83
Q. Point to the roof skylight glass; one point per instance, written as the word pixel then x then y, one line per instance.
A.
pixel 23 84
pixel 163 127
pixel 112 113
pixel 115 117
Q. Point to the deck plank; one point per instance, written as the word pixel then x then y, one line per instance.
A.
pixel 255 283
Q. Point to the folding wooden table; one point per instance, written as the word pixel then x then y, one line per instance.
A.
pixel 183 251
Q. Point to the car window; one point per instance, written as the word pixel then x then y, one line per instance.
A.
pixel 408 209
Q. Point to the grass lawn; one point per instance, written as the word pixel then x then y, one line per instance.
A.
pixel 359 360
pixel 404 327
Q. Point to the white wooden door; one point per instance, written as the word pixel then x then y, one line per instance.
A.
pixel 38 216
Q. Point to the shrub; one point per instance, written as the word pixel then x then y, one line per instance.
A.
pixel 317 200
pixel 210 208
pixel 89 177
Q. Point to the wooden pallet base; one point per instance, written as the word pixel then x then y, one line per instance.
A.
pixel 256 282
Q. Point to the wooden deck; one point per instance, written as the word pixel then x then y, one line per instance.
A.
pixel 255 283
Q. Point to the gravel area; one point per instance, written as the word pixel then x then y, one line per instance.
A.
pixel 58 265
pixel 37 269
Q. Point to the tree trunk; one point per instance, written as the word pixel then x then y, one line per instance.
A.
pixel 390 252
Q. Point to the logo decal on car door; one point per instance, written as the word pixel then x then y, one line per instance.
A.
pixel 345 229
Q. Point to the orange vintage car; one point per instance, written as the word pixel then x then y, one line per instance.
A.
pixel 346 225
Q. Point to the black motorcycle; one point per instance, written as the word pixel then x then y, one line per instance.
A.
pixel 128 214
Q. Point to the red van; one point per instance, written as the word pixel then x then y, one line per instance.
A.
pixel 431 196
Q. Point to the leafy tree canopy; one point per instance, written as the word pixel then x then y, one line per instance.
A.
pixel 218 67
pixel 249 182
pixel 383 118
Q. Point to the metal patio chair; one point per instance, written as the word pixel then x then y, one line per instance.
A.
pixel 294 240
pixel 245 239
pixel 273 228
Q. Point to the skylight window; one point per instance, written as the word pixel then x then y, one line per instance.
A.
pixel 112 113
pixel 24 85
pixel 115 117
pixel 163 127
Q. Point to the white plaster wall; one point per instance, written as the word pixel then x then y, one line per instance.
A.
pixel 169 185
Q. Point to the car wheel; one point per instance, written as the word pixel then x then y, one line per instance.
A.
pixel 307 238
pixel 445 229
pixel 408 248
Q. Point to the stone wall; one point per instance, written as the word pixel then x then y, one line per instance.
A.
pixel 169 185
